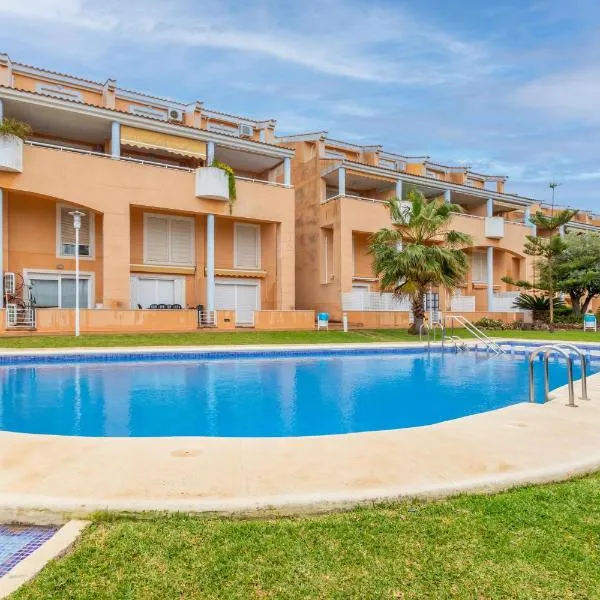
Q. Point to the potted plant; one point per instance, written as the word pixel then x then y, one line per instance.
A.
pixel 216 182
pixel 12 134
pixel 230 181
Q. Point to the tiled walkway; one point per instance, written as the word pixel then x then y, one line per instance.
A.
pixel 18 542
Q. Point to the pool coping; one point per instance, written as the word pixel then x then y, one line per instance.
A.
pixel 37 497
pixel 30 566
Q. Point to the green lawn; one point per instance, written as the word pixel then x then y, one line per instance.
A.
pixel 538 542
pixel 261 337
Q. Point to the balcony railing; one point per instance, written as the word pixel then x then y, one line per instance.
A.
pixel 369 301
pixel 139 161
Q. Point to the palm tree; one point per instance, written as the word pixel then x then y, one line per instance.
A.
pixel 548 248
pixel 420 251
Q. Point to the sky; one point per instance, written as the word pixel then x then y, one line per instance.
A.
pixel 510 87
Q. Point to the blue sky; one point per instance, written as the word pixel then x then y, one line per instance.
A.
pixel 509 87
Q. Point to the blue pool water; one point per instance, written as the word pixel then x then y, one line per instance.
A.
pixel 260 396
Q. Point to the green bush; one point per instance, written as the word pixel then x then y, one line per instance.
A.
pixel 486 323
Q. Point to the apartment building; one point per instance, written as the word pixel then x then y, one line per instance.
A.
pixel 158 224
pixel 340 193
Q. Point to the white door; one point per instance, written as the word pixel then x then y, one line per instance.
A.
pixel 242 297
pixel 146 291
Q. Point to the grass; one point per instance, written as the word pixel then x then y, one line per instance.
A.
pixel 537 542
pixel 202 338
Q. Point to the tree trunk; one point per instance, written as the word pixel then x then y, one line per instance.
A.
pixel 576 303
pixel 550 296
pixel 586 304
pixel 418 306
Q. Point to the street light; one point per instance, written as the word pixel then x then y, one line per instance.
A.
pixel 553 185
pixel 77 214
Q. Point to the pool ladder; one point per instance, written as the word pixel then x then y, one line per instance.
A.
pixel 565 350
pixel 435 325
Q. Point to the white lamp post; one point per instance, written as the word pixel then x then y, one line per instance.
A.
pixel 77 214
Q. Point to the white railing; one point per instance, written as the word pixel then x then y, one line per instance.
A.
pixel 363 198
pixel 503 302
pixel 109 156
pixel 19 316
pixel 462 303
pixel 207 318
pixel 370 301
pixel 275 183
pixel 139 161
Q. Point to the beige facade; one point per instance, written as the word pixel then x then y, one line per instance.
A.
pixel 159 226
pixel 340 194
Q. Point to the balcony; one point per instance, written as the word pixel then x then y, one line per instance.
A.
pixel 11 154
pixel 212 183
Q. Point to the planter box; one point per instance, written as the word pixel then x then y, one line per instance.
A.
pixel 212 183
pixel 494 227
pixel 11 154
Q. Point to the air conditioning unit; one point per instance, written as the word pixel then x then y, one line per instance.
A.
pixel 246 130
pixel 175 115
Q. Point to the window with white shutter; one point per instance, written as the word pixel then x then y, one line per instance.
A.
pixel 168 240
pixel 65 232
pixel 479 267
pixel 247 246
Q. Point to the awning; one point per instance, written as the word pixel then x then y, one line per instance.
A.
pixel 152 140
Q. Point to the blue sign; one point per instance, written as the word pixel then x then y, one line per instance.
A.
pixel 589 322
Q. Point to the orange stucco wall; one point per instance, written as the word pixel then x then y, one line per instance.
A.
pixel 31 239
pixel 111 188
pixel 57 321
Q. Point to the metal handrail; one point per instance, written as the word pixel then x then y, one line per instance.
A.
pixel 480 335
pixel 437 325
pixel 424 325
pixel 548 349
pixel 583 359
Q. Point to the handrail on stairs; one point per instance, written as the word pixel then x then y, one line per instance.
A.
pixel 478 333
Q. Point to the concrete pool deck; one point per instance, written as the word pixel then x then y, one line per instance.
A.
pixel 47 479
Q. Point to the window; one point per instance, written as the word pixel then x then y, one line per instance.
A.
pixel 57 290
pixel 159 289
pixel 65 233
pixel 478 267
pixel 246 246
pixel 168 240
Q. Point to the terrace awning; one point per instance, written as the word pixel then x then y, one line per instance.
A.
pixel 152 140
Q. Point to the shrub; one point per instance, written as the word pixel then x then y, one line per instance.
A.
pixel 14 127
pixel 486 323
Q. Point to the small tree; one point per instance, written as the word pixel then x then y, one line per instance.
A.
pixel 420 251
pixel 577 270
pixel 548 249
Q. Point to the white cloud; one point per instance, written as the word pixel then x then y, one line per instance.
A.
pixel 571 95
pixel 344 39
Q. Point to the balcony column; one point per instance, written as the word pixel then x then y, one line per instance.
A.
pixel 210 153
pixel 399 189
pixel 490 278
pixel 210 262
pixel 447 196
pixel 116 248
pixel 287 171
pixel 115 140
pixel 561 231
pixel 1 110
pixel 489 207
pixel 341 181
pixel 1 239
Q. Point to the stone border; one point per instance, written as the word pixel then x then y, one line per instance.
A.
pixel 30 566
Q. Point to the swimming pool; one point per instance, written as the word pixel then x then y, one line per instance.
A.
pixel 256 394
